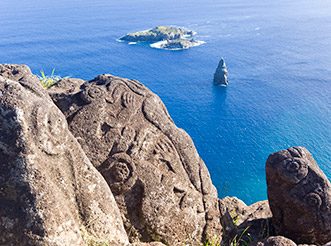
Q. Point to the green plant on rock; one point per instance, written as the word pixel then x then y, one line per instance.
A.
pixel 49 80
pixel 235 217
pixel 93 240
pixel 239 241
pixel 214 242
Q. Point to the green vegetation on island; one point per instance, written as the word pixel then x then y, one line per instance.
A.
pixel 157 34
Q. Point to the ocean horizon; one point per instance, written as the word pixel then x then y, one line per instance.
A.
pixel 278 54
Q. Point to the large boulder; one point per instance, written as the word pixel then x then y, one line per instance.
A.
pixel 50 193
pixel 299 195
pixel 160 183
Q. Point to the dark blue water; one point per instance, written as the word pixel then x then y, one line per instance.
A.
pixel 278 55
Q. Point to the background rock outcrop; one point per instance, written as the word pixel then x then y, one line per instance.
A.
pixel 299 195
pixel 160 183
pixel 50 193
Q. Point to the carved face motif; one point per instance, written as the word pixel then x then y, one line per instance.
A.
pixel 51 127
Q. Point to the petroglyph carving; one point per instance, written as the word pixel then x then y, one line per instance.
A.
pixel 293 170
pixel 299 196
pixel 119 171
pixel 134 143
pixel 92 93
pixel 51 129
pixel 44 170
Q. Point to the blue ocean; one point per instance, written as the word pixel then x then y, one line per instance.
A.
pixel 278 54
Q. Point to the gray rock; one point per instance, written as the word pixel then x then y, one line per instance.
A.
pixel 256 220
pixel 278 241
pixel 275 241
pixel 160 183
pixel 50 193
pixel 299 195
pixel 148 244
pixel 221 74
pixel 238 217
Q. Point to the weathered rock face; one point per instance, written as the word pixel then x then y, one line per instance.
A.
pixel 299 196
pixel 160 183
pixel 276 241
pixel 221 73
pixel 237 217
pixel 50 193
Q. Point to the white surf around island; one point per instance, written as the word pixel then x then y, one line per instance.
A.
pixel 160 44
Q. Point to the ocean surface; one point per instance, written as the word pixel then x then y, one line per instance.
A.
pixel 278 55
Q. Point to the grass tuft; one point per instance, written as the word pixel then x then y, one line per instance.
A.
pixel 49 80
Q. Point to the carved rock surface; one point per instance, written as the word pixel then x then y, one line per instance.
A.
pixel 50 193
pixel 299 195
pixel 160 183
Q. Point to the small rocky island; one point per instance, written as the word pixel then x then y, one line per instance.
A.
pixel 164 37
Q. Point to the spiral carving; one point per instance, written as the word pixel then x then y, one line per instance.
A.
pixel 314 200
pixel 119 172
pixel 293 170
pixel 92 93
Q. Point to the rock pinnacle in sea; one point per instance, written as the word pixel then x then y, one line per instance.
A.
pixel 221 74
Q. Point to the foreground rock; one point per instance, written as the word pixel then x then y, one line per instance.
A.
pixel 249 223
pixel 221 74
pixel 50 193
pixel 160 183
pixel 281 241
pixel 299 196
pixel 275 241
pixel 157 34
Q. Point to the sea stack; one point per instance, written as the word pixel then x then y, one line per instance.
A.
pixel 221 74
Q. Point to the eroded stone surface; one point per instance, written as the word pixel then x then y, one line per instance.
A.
pixel 238 217
pixel 299 195
pixel 160 183
pixel 278 241
pixel 50 193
